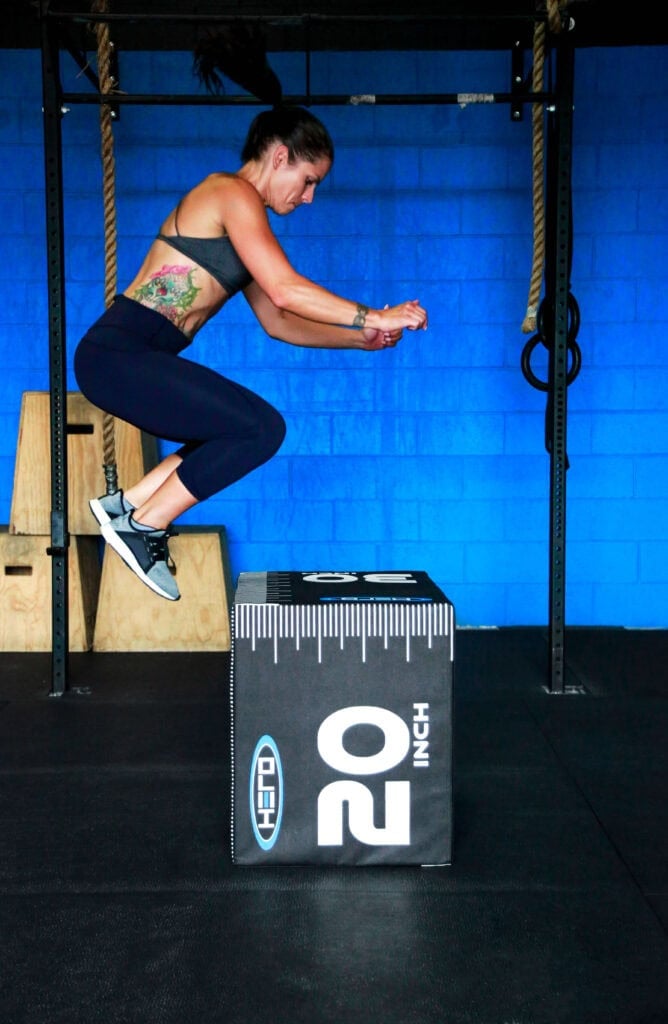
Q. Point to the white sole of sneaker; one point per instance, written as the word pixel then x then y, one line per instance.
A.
pixel 96 508
pixel 116 542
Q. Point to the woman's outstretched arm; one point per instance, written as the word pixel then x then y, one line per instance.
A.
pixel 297 330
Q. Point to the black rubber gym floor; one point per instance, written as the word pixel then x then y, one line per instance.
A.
pixel 119 904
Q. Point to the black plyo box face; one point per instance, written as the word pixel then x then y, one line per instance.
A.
pixel 342 719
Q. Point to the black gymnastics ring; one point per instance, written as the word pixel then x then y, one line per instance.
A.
pixel 536 382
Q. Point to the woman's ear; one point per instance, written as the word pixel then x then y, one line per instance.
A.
pixel 280 156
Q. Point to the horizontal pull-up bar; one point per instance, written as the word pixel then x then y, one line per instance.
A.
pixel 292 19
pixel 462 99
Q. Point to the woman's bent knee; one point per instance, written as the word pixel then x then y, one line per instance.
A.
pixel 274 431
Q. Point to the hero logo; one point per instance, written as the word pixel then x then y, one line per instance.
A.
pixel 266 792
pixel 396 744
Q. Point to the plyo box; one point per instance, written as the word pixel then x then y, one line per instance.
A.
pixel 341 693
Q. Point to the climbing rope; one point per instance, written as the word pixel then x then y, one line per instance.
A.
pixel 538 162
pixel 554 9
pixel 107 83
pixel 540 315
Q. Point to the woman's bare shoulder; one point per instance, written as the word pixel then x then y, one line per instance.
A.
pixel 235 201
pixel 225 183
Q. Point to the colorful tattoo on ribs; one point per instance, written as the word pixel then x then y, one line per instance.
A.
pixel 169 291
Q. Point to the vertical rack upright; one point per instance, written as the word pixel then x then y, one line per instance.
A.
pixel 52 113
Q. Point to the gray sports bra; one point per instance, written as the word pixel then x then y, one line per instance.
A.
pixel 216 255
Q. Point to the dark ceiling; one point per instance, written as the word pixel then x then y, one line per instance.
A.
pixel 334 24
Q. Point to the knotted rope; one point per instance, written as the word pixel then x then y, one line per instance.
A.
pixel 538 162
pixel 104 50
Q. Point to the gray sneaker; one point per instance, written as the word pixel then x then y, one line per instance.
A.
pixel 145 552
pixel 109 506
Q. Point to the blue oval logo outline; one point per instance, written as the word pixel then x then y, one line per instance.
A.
pixel 268 742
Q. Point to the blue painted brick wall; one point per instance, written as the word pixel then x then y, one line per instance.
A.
pixel 430 456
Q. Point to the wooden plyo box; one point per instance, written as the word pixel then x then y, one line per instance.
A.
pixel 130 617
pixel 136 454
pixel 26 592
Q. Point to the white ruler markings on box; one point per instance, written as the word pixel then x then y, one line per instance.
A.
pixel 345 621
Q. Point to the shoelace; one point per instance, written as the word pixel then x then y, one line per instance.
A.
pixel 169 561
pixel 158 550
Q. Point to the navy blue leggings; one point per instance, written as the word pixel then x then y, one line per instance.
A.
pixel 128 365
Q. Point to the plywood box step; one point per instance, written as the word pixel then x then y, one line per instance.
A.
pixel 136 454
pixel 26 592
pixel 131 617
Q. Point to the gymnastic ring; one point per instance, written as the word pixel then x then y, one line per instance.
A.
pixel 573 319
pixel 530 376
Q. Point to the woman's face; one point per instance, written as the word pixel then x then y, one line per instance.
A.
pixel 292 184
